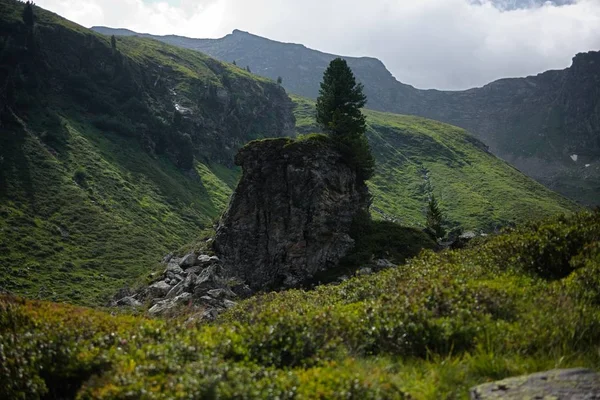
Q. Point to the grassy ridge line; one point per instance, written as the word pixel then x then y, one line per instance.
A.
pixel 517 303
pixel 416 157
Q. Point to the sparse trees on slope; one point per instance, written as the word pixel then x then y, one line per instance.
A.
pixel 339 115
pixel 435 218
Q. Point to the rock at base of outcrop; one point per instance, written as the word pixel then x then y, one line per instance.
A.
pixel 128 302
pixel 291 213
pixel 200 288
pixel 575 384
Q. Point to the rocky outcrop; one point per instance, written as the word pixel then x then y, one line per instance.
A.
pixel 575 383
pixel 291 213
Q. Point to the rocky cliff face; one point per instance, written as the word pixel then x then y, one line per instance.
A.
pixel 291 213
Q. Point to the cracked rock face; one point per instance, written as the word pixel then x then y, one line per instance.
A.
pixel 291 213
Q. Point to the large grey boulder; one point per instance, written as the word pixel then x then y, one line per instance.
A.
pixel 291 213
pixel 159 289
pixel 558 384
pixel 208 279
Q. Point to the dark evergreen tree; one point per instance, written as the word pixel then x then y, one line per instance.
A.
pixel 339 115
pixel 234 63
pixel 28 14
pixel 279 80
pixel 435 218
pixel 113 43
pixel 248 68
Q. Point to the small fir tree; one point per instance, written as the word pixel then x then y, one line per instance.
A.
pixel 279 80
pixel 248 68
pixel 113 43
pixel 234 63
pixel 339 115
pixel 435 218
pixel 28 17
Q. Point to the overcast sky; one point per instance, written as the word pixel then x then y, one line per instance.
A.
pixel 443 44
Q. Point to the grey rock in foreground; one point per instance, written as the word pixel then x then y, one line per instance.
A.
pixel 558 384
pixel 291 213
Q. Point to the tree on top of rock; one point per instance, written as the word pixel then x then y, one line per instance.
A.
pixel 339 115
pixel 28 14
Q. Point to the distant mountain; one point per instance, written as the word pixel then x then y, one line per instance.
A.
pixel 547 125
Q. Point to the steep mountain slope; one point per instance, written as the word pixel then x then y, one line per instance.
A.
pixel 538 123
pixel 417 157
pixel 110 158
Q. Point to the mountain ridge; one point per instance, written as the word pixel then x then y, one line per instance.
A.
pixel 537 123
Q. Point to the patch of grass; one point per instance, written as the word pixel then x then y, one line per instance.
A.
pixel 429 329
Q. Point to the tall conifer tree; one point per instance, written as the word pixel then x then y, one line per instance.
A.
pixel 339 115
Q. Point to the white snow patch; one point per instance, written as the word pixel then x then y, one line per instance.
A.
pixel 587 165
pixel 574 157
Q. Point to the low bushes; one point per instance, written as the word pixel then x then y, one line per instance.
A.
pixel 427 329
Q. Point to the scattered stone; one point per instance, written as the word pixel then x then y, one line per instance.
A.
pixel 229 303
pixel 167 258
pixel 188 261
pixel 242 290
pixel 221 293
pixel 128 302
pixel 382 263
pixel 196 269
pixel 174 269
pixel 205 260
pixel 176 290
pixel 207 280
pixel 210 301
pixel 209 315
pixel 577 384
pixel 161 307
pixel 159 289
pixel 183 298
pixel 364 271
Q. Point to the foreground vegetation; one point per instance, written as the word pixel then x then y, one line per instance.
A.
pixel 520 302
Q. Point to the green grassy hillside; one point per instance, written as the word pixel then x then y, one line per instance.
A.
pixel 517 303
pixel 111 158
pixel 417 157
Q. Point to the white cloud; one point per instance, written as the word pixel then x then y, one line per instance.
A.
pixel 446 44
